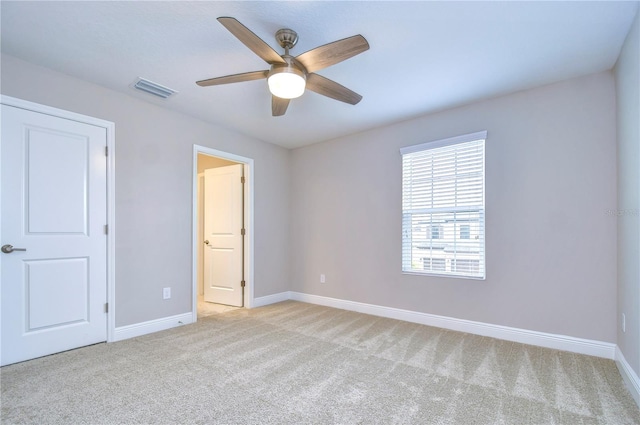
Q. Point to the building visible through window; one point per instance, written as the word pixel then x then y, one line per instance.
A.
pixel 443 207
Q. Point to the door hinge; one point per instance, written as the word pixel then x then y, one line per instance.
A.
pixel 106 307
pixel 242 232
pixel 106 151
pixel 242 283
pixel 242 179
pixel 106 229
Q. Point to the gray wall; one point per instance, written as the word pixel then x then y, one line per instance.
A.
pixel 628 97
pixel 154 148
pixel 550 180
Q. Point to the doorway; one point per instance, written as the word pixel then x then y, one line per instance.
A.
pixel 222 260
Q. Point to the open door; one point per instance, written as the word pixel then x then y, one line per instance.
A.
pixel 224 235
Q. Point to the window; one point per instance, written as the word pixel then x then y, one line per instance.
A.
pixel 464 265
pixel 443 207
pixel 434 264
pixel 436 231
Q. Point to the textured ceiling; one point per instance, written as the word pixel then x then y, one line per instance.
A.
pixel 424 56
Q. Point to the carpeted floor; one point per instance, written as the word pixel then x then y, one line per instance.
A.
pixel 297 363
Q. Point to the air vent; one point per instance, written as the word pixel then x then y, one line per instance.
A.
pixel 153 88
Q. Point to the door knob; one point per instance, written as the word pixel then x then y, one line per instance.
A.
pixel 8 249
pixel 206 242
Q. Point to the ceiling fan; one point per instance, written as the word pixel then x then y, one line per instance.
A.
pixel 289 76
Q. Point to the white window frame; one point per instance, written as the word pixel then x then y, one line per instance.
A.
pixel 408 246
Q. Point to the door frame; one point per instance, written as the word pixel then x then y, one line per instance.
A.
pixel 111 179
pixel 248 224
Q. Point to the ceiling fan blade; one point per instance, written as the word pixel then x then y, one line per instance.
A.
pixel 235 78
pixel 252 41
pixel 278 106
pixel 333 53
pixel 330 88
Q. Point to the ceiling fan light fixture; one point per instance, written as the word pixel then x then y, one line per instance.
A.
pixel 286 81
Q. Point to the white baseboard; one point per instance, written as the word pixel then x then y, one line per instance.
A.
pixel 541 339
pixel 271 299
pixel 139 329
pixel 628 374
pixel 559 342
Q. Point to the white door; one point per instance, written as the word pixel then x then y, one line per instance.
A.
pixel 223 221
pixel 54 211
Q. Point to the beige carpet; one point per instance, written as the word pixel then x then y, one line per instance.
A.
pixel 296 363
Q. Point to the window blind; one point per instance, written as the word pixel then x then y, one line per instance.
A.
pixel 443 207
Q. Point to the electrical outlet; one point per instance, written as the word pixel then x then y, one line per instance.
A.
pixel 166 293
pixel 624 323
pixel 322 279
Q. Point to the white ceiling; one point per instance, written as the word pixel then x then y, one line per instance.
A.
pixel 424 56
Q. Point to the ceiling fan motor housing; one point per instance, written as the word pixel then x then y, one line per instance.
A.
pixel 291 66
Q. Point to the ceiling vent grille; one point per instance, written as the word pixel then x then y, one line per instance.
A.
pixel 153 88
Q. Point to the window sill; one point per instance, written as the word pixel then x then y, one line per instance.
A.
pixel 454 276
